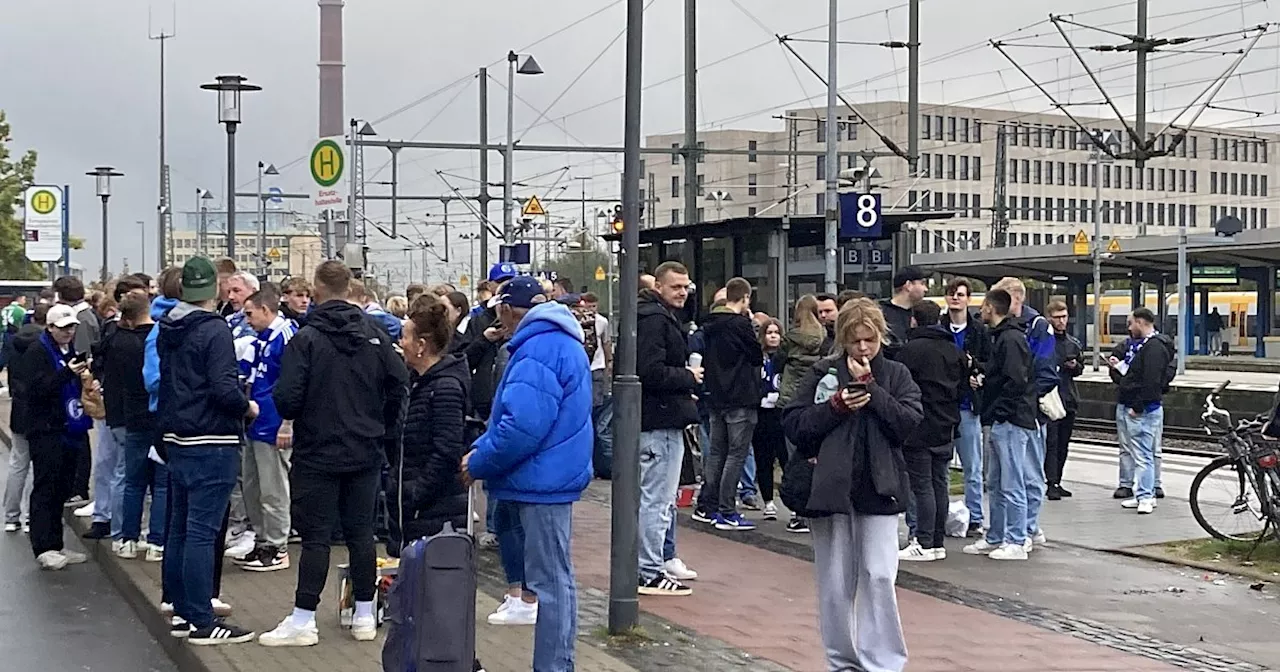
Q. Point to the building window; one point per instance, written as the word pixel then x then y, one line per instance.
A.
pixel 1035 136
pixel 1012 135
pixel 1106 212
pixel 702 214
pixel 1035 172
pixel 822 131
pixel 821 201
pixel 964 205
pixel 1151 179
pixel 1026 208
pixel 977 205
pixel 1193 150
pixel 911 201
pixel 923 165
pixel 977 168
pixel 1160 176
pixel 1234 184
pixel 675 156
pixel 1263 213
pixel 675 217
pixel 924 127
pixel 1253 152
pixel 1193 181
pixel 951 202
pixel 1262 150
pixel 937 127
pixel 964 167
pixel 1071 209
pixel 1106 178
pixel 1182 214
pixel 937 166
pixel 675 186
pixel 951 166
pixel 937 200
pixel 951 129
pixel 1013 171
pixel 1071 180
pixel 1151 213
pixel 1253 184
pixel 1213 214
pixel 1026 171
pixel 977 132
pixel 964 129
pixel 1262 184
pixel 1048 172
pixel 1061 173
pixel 702 152
pixel 751 184
pixel 701 191
pixel 851 128
pixel 1235 150
pixel 821 172
pixel 1061 210
pixel 751 211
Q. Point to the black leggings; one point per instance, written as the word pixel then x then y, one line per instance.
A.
pixel 770 448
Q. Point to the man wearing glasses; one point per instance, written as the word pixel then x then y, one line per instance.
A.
pixel 971 337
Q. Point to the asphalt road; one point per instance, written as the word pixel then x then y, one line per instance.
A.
pixel 69 621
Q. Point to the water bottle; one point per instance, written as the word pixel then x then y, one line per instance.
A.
pixel 695 359
pixel 827 387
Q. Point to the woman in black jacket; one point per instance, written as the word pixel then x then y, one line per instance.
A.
pixel 850 417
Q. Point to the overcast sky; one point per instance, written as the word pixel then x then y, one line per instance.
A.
pixel 83 89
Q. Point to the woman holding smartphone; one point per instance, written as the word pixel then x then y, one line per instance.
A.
pixel 849 416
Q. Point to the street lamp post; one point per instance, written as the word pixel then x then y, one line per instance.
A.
pixel 471 236
pixel 229 88
pixel 720 197
pixel 529 67
pixel 102 177
pixel 202 234
pixel 142 238
pixel 263 169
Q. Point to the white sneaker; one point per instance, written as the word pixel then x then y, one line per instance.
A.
pixel 676 569
pixel 166 609
pixel 128 550
pixel 1147 506
pixel 220 608
pixel 364 628
pixel 51 560
pixel 12 527
pixel 770 511
pixel 518 612
pixel 488 541
pixel 289 633
pixel 1009 552
pixel 116 545
pixel 979 547
pixel 155 553
pixel 74 557
pixel 244 545
pixel 1028 545
pixel 914 553
pixel 939 553
pixel 84 511
pixel 1039 539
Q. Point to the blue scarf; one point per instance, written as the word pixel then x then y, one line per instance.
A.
pixel 78 422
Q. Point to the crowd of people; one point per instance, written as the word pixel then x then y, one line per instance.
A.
pixel 254 416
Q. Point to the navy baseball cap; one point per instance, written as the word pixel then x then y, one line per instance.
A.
pixel 522 292
pixel 503 271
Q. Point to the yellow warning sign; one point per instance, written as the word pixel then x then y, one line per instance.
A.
pixel 274 254
pixel 533 208
pixel 1114 246
pixel 464 281
pixel 1080 247
pixel 599 272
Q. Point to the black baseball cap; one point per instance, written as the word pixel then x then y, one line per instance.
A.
pixel 908 274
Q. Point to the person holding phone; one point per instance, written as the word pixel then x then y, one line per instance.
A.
pixel 855 427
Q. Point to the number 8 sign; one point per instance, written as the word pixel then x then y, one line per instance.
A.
pixel 860 216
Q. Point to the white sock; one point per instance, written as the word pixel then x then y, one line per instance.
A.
pixel 303 617
pixel 364 609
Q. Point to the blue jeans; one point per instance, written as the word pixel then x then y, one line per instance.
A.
pixel 201 479
pixel 661 456
pixel 1143 432
pixel 747 483
pixel 511 540
pixel 969 449
pixel 142 473
pixel 1127 463
pixel 1008 521
pixel 1033 476
pixel 669 543
pixel 548 569
pixel 108 475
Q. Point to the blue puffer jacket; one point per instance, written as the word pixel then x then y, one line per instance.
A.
pixel 1043 345
pixel 388 321
pixel 537 448
pixel 151 365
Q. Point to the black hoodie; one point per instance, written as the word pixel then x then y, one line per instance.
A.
pixel 19 379
pixel 1008 391
pixel 481 354
pixel 342 384
pixel 939 370
pixel 433 443
pixel 1144 383
pixel 733 361
pixel 899 322
pixel 200 402
pixel 662 354
pixel 123 390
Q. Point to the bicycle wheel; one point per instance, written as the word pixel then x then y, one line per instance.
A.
pixel 1225 502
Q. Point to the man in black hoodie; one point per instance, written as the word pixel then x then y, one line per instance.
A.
pixel 733 361
pixel 1009 406
pixel 940 371
pixel 342 385
pixel 1069 358
pixel 16 489
pixel 1142 373
pixel 667 385
pixel 909 286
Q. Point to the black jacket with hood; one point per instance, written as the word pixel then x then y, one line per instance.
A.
pixel 1067 348
pixel 201 402
pixel 46 414
pixel 481 355
pixel 19 379
pixel 732 361
pixel 938 368
pixel 124 370
pixel 860 464
pixel 107 368
pixel 662 356
pixel 1145 381
pixel 433 443
pixel 343 385
pixel 1008 390
pixel 899 321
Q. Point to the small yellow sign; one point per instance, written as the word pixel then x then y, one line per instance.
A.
pixel 274 254
pixel 464 281
pixel 533 208
pixel 44 202
pixel 600 273
pixel 1114 246
pixel 1080 247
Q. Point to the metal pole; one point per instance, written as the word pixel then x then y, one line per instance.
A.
pixel 262 226
pixel 484 173
pixel 66 229
pixel 1140 83
pixel 508 195
pixel 202 235
pixel 1185 338
pixel 395 189
pixel 142 237
pixel 446 230
pixel 353 175
pixel 164 203
pixel 1097 261
pixel 913 85
pixel 106 275
pixel 624 607
pixel 231 191
pixel 691 153
pixel 831 274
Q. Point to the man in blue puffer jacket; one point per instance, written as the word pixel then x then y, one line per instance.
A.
pixel 536 454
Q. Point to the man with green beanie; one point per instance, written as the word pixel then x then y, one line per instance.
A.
pixel 201 411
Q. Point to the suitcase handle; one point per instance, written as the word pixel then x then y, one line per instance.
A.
pixel 471 510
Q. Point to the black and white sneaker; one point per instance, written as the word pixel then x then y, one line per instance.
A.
pixel 220 632
pixel 798 526
pixel 267 559
pixel 664 585
pixel 179 628
pixel 703 516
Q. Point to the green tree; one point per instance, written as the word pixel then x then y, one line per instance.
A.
pixel 15 176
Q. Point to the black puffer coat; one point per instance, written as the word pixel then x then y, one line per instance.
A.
pixel 432 447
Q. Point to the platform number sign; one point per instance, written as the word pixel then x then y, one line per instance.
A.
pixel 860 216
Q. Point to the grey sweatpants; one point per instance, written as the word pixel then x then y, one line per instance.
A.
pixel 265 472
pixel 855 559
pixel 17 489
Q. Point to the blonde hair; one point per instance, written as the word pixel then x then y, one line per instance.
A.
pixel 398 306
pixel 1012 285
pixel 806 316
pixel 547 286
pixel 860 312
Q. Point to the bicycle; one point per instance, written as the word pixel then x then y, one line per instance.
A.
pixel 1245 477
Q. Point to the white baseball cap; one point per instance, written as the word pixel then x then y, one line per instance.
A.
pixel 62 316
